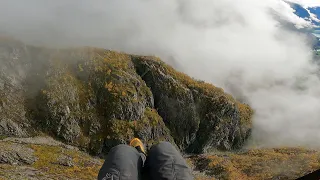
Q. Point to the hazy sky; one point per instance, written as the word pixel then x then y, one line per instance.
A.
pixel 237 45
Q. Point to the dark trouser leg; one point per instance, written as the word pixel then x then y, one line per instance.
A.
pixel 123 162
pixel 166 163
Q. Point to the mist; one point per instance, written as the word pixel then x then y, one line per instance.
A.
pixel 237 45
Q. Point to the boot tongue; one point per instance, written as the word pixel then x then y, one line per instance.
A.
pixel 139 149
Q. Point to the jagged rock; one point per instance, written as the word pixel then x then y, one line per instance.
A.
pixel 10 128
pixel 174 101
pixel 12 110
pixel 199 115
pixel 16 154
pixel 21 69
pixel 120 92
pixel 99 104
pixel 95 99
pixel 54 107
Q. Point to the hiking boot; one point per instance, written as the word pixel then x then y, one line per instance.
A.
pixel 136 143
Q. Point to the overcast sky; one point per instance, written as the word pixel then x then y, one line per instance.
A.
pixel 237 45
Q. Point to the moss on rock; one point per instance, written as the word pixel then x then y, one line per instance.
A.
pixel 256 164
pixel 81 166
pixel 120 92
pixel 95 99
pixel 98 102
pixel 150 129
pixel 199 115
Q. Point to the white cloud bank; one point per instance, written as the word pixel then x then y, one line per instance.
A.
pixel 286 12
pixel 306 3
pixel 234 44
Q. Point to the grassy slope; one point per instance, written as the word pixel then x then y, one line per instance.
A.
pixel 287 163
pixel 279 163
pixel 53 161
pixel 57 161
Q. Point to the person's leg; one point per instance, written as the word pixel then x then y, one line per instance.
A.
pixel 164 162
pixel 123 162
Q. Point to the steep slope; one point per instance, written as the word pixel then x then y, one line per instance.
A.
pixel 199 115
pixel 95 99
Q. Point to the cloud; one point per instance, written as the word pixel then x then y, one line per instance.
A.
pixel 306 3
pixel 237 45
pixel 286 12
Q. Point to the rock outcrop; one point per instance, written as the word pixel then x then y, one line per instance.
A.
pixel 98 102
pixel 44 158
pixel 200 116
pixel 94 99
pixel 12 112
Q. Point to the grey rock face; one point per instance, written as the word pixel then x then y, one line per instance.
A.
pixel 99 106
pixel 199 116
pixel 16 154
pixel 95 99
pixel 11 128
pixel 175 103
pixel 13 68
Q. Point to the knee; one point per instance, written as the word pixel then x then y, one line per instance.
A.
pixel 164 144
pixel 163 147
pixel 122 148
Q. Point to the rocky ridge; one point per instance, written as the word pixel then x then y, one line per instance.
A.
pixel 60 109
pixel 94 99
